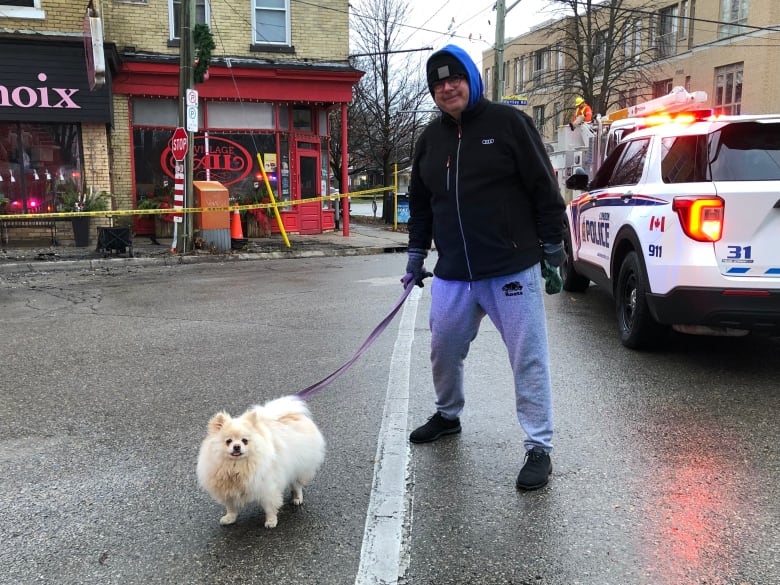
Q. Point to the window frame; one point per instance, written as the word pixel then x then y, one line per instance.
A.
pixel 733 14
pixel 172 36
pixel 33 12
pixel 732 105
pixel 287 24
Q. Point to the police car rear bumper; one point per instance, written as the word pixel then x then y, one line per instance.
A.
pixel 758 311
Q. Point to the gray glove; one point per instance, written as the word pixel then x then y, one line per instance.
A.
pixel 554 254
pixel 415 271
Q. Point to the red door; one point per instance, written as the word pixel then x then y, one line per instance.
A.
pixel 309 214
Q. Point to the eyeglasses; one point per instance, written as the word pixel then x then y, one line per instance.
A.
pixel 453 80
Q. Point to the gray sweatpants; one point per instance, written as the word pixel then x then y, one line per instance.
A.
pixel 515 305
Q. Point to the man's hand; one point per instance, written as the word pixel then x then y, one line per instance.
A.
pixel 552 280
pixel 415 270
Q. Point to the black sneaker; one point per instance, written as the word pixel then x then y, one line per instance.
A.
pixel 436 426
pixel 536 470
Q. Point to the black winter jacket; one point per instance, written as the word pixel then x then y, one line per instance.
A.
pixel 484 190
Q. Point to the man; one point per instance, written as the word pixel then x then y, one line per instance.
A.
pixel 582 113
pixel 483 188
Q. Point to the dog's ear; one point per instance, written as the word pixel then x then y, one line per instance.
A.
pixel 218 421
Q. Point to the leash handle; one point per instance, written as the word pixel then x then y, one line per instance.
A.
pixel 317 387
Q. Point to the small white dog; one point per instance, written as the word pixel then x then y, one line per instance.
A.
pixel 257 456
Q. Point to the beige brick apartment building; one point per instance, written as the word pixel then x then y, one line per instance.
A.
pixel 278 69
pixel 728 48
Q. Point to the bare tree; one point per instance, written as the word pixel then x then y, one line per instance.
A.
pixel 382 129
pixel 602 50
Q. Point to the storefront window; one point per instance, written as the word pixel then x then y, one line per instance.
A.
pixel 284 169
pixel 230 158
pixel 247 115
pixel 38 163
pixel 302 119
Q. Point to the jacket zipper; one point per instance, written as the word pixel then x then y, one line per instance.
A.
pixel 457 202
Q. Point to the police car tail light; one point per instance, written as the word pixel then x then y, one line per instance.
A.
pixel 701 217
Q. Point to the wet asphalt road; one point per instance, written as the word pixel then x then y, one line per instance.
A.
pixel 665 468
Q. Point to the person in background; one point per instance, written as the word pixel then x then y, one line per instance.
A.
pixel 482 187
pixel 582 113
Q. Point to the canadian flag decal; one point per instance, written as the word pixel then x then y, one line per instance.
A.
pixel 657 223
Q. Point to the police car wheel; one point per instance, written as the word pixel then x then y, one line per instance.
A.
pixel 636 326
pixel 572 280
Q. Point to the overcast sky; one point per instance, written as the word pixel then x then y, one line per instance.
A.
pixel 470 23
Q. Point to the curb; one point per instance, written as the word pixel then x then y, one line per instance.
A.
pixel 174 260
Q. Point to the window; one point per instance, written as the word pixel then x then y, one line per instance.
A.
pixel 747 151
pixel 519 77
pixel 732 14
pixel 683 159
pixel 257 116
pixel 272 22
pixel 302 121
pixel 539 64
pixel 174 15
pixel 538 116
pixel 629 168
pixel 728 89
pixel 38 163
pixel 668 23
pixel 682 30
pixel 661 88
pixel 691 20
pixel 21 9
pixel 600 51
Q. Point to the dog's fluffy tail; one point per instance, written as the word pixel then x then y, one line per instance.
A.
pixel 284 406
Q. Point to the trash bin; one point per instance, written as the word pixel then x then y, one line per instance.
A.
pixel 388 207
pixel 403 208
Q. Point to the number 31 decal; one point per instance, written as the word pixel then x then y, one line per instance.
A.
pixel 740 252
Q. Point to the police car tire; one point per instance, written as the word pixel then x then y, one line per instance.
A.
pixel 636 326
pixel 572 280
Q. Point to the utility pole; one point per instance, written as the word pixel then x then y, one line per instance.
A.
pixel 498 82
pixel 498 78
pixel 186 81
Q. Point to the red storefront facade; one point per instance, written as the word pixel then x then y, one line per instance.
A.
pixel 246 107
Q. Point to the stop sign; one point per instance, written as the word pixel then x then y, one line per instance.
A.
pixel 179 143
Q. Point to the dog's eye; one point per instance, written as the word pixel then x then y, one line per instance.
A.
pixel 228 441
pixel 244 441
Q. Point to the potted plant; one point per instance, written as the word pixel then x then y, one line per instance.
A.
pixel 160 198
pixel 75 201
pixel 257 221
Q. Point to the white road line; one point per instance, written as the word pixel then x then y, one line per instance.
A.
pixel 380 555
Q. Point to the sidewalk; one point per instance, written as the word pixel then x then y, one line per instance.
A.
pixel 365 237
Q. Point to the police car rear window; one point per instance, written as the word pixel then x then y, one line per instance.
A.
pixel 745 151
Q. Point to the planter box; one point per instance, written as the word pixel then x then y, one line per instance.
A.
pixel 119 239
pixel 255 229
pixel 163 229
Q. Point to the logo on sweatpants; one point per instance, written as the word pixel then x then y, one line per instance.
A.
pixel 512 289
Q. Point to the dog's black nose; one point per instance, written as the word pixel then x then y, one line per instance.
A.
pixel 237 448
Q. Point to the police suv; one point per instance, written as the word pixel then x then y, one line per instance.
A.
pixel 681 224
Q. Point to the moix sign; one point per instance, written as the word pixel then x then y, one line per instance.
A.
pixel 47 82
pixel 38 97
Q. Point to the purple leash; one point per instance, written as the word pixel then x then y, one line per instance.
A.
pixel 315 388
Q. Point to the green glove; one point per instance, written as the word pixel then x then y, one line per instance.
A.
pixel 552 280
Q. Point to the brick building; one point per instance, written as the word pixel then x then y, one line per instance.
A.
pixel 728 48
pixel 277 70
